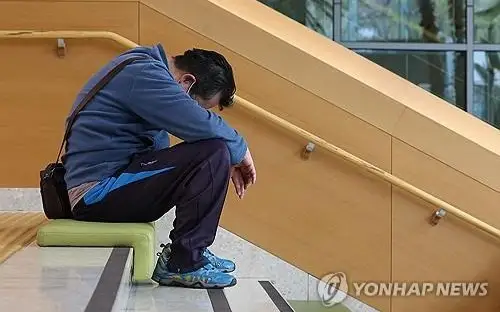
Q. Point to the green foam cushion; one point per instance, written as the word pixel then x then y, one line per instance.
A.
pixel 139 236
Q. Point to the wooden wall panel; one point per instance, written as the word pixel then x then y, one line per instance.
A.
pixel 448 146
pixel 276 94
pixel 135 1
pixel 37 90
pixel 119 17
pixel 323 215
pixel 445 182
pixel 452 251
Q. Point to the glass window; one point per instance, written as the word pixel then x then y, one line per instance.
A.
pixel 404 20
pixel 486 102
pixel 487 21
pixel 417 21
pixel 315 14
pixel 442 73
pixel 295 9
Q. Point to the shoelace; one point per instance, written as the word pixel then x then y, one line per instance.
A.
pixel 208 253
pixel 161 246
pixel 213 257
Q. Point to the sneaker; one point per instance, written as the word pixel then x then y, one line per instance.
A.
pixel 205 277
pixel 224 265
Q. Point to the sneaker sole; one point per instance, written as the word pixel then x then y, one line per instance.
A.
pixel 227 271
pixel 197 285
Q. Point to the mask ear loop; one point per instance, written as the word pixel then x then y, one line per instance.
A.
pixel 188 92
pixel 190 87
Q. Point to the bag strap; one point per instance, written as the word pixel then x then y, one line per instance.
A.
pixel 104 81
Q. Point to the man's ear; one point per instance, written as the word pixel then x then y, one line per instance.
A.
pixel 187 81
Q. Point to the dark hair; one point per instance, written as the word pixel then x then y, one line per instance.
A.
pixel 213 74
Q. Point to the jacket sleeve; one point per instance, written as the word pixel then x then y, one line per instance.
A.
pixel 159 100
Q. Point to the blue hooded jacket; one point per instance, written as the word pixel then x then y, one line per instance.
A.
pixel 133 114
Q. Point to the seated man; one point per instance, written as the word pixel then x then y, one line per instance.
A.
pixel 120 166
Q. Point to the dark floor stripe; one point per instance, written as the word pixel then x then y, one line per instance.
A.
pixel 105 293
pixel 275 296
pixel 219 300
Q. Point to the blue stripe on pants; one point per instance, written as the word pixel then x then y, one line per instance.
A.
pixel 98 192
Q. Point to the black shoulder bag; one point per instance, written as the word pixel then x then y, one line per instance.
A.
pixel 53 188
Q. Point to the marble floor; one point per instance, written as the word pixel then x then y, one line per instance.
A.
pixel 246 296
pixel 66 279
pixel 50 279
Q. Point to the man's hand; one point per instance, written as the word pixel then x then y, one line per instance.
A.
pixel 247 169
pixel 244 175
pixel 239 183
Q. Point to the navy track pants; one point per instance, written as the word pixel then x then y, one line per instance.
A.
pixel 196 183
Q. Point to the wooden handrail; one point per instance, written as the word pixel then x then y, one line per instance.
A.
pixel 278 121
pixel 66 34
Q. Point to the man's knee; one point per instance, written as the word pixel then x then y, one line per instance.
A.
pixel 217 148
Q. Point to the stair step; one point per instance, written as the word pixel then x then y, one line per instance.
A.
pixel 248 295
pixel 54 278
pixel 252 295
pixel 98 279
